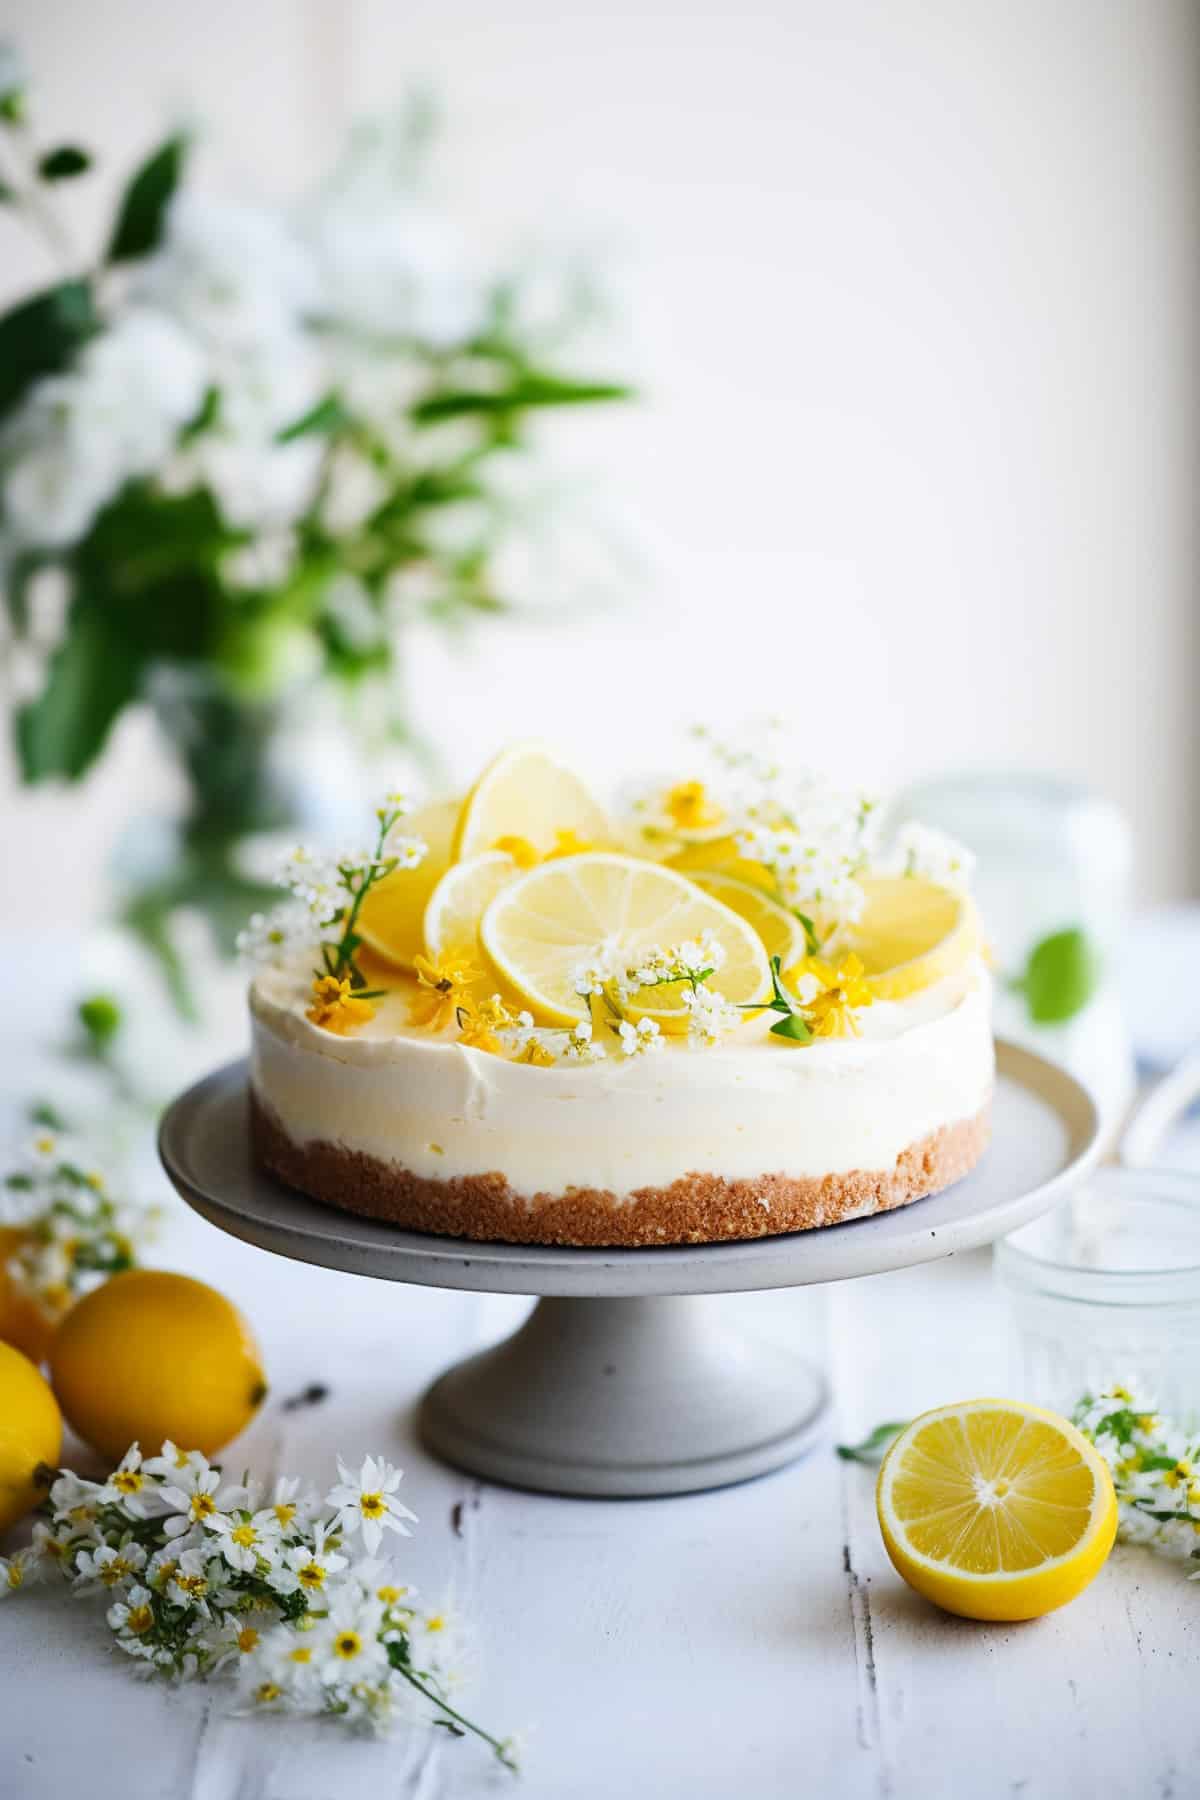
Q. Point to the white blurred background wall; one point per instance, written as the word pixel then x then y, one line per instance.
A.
pixel 912 291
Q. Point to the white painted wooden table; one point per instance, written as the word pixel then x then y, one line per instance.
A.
pixel 751 1641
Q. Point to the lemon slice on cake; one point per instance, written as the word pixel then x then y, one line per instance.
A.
pixel 527 798
pixel 461 898
pixel 782 934
pixel 912 933
pixel 392 919
pixel 996 1510
pixel 543 926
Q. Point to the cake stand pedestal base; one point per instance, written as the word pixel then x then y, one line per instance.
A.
pixel 624 1398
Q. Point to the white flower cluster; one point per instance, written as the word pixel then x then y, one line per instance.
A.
pixel 323 885
pixel 934 855
pixel 269 311
pixel 710 1017
pixel 639 1039
pixel 74 1229
pixel 1155 1468
pixel 202 1574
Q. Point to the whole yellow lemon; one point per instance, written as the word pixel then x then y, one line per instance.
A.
pixel 30 1434
pixel 152 1355
pixel 25 1324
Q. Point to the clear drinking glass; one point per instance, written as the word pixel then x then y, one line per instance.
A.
pixel 1105 1289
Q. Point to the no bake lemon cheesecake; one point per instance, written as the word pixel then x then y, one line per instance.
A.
pixel 731 1012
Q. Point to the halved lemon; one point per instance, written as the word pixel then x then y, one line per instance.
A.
pixel 461 898
pixel 782 934
pixel 392 920
pixel 996 1510
pixel 525 794
pixel 538 931
pixel 912 933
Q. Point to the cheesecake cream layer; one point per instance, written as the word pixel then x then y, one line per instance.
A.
pixel 419 1102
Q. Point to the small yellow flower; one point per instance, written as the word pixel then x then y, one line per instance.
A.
pixel 347 1645
pixel 689 808
pixel 844 989
pixel 478 1024
pixel 1147 1422
pixel 335 1007
pixel 247 1639
pixel 444 987
pixel 268 1692
pixel 523 853
pixel 537 1054
pixel 568 843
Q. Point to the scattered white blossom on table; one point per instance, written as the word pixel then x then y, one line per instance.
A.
pixel 201 1575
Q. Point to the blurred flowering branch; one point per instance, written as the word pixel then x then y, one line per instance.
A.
pixel 260 441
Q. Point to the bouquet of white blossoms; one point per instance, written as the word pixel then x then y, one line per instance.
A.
pixel 255 440
pixel 286 1592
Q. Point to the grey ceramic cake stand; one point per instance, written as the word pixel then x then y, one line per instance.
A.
pixel 619 1383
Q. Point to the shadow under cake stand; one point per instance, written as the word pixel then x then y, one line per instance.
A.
pixel 620 1383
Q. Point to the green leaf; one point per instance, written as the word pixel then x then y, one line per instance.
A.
pixel 326 417
pixel 63 163
pixel 794 1027
pixel 100 1017
pixel 1061 976
pixel 139 225
pixel 872 1447
pixel 528 390
pixel 812 942
pixel 41 336
pixel 90 678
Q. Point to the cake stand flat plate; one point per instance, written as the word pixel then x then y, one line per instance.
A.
pixel 1046 1133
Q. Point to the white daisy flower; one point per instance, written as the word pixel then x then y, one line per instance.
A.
pixel 22 1569
pixel 244 1540
pixel 367 1501
pixel 710 1017
pixel 293 1502
pixel 409 852
pixel 307 1567
pixel 347 1641
pixel 196 1497
pixel 171 1463
pixel 108 1565
pixel 75 1501
pixel 128 1487
pixel 132 1620
pixel 268 939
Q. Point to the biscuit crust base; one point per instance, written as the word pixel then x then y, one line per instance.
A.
pixel 694 1209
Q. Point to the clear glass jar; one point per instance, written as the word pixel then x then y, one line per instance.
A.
pixel 1051 857
pixel 1105 1289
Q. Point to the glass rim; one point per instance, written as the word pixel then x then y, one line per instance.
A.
pixel 1148 1284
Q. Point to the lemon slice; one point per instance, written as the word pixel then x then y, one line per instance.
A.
pixel 996 1510
pixel 721 855
pixel 392 918
pixel 461 898
pixel 539 929
pixel 525 795
pixel 912 933
pixel 782 934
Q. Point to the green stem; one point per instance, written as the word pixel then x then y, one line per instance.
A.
pixel 501 1752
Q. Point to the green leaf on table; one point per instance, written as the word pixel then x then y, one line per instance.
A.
pixel 1061 976
pixel 873 1446
pixel 90 678
pixel 63 163
pixel 139 225
pixel 528 389
pixel 40 337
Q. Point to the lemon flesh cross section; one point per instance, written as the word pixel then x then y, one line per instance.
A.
pixel 391 921
pixel 911 934
pixel 459 901
pixel 781 932
pixel 526 795
pixel 994 1509
pixel 539 931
